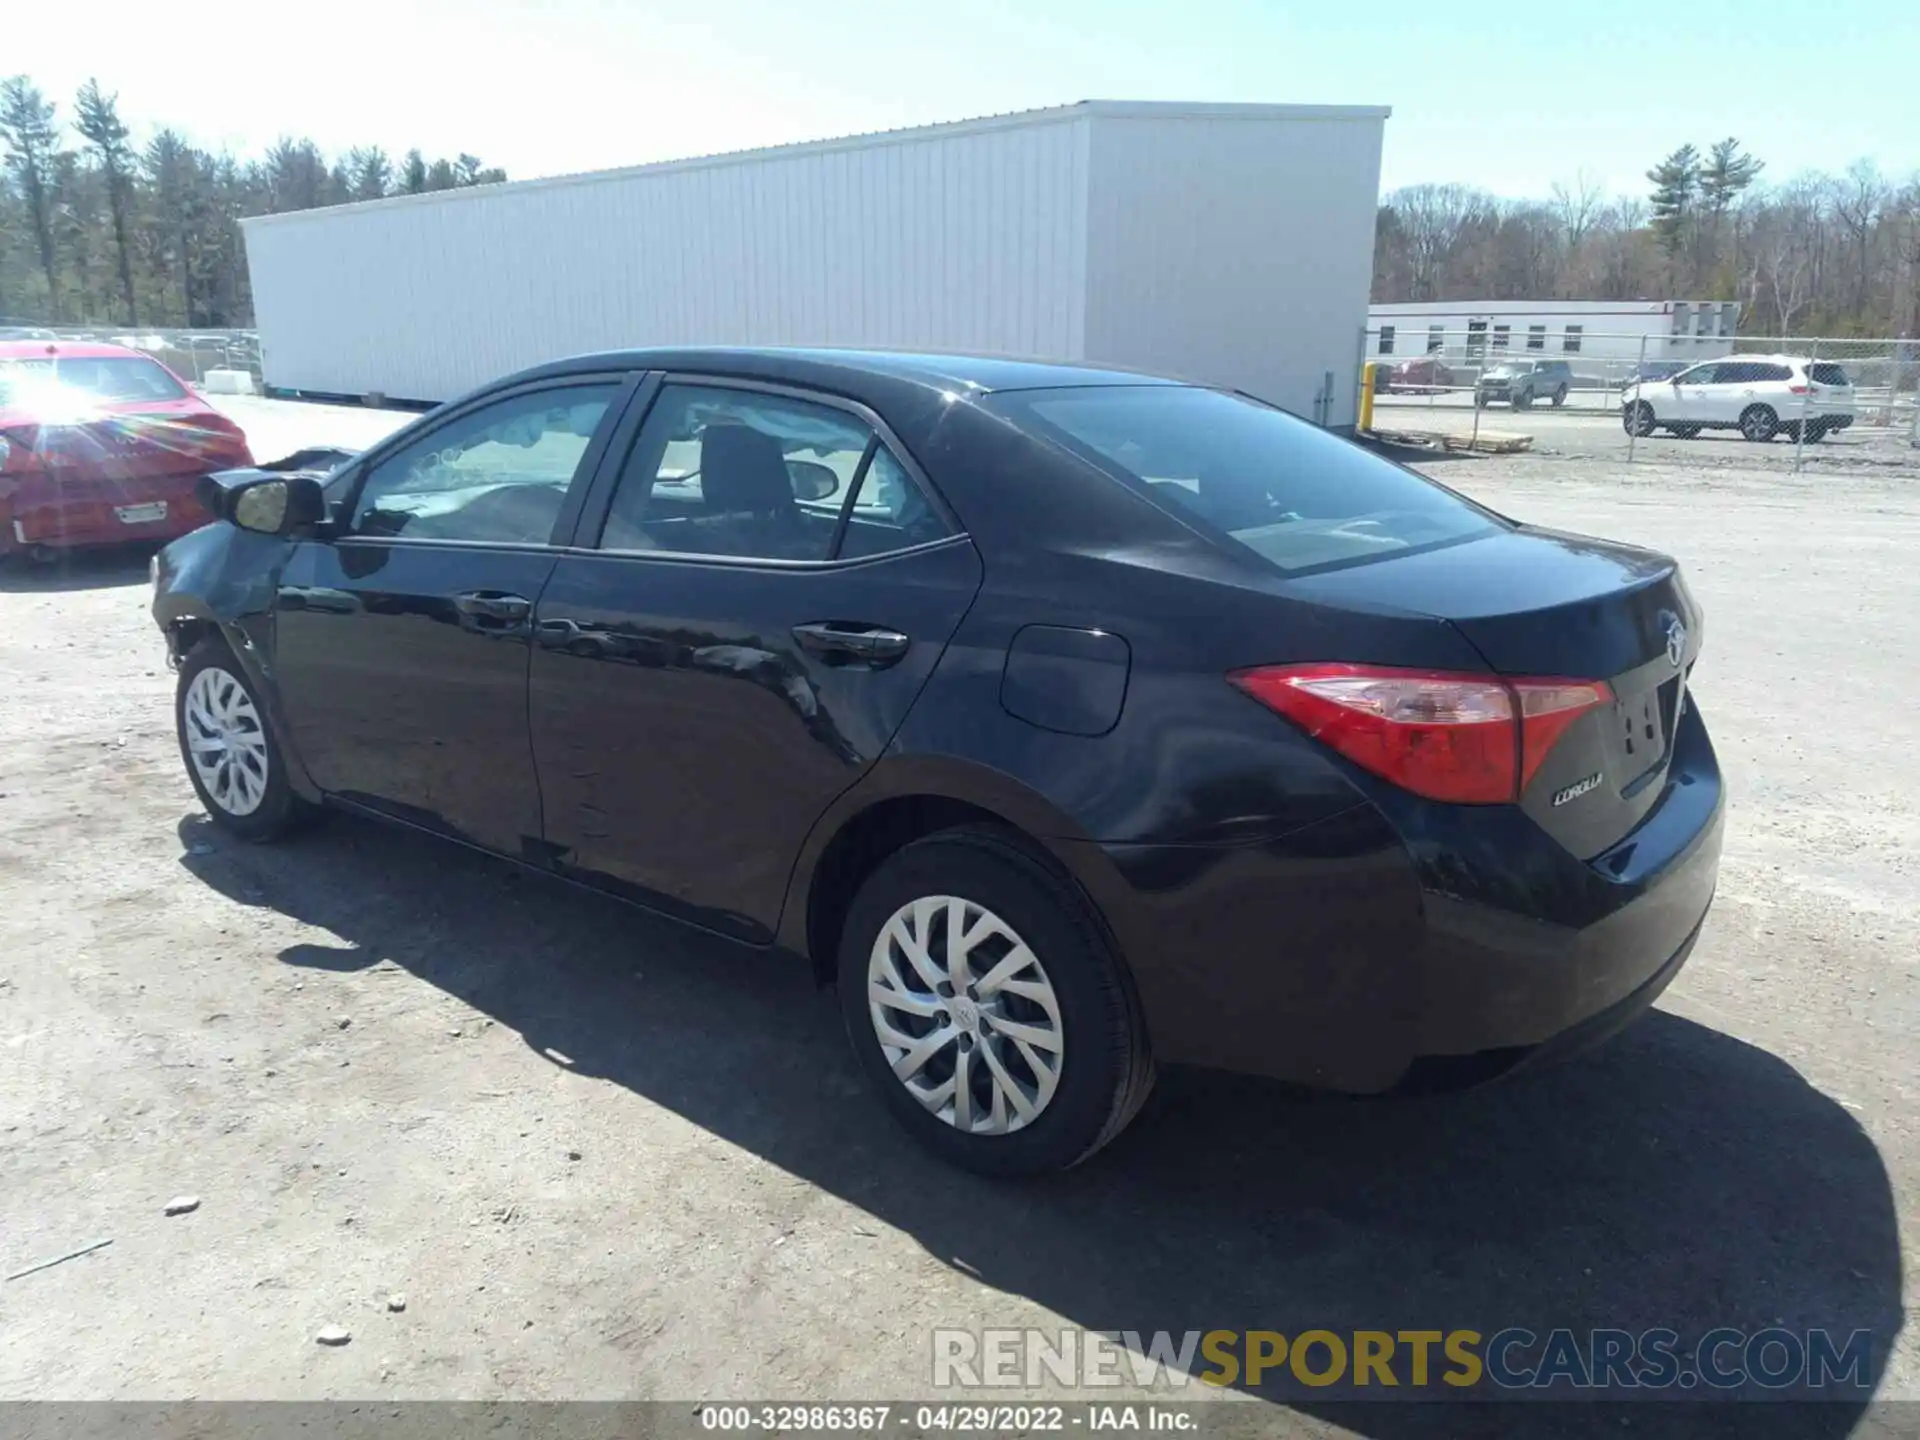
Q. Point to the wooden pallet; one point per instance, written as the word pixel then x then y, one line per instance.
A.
pixel 1487 442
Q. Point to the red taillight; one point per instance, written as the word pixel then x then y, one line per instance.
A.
pixel 1467 739
pixel 1799 389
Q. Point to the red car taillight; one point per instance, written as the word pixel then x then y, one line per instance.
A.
pixel 1467 739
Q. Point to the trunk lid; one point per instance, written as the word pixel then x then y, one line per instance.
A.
pixel 1546 604
pixel 132 446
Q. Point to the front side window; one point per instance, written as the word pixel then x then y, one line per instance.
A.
pixel 739 473
pixel 1299 498
pixel 498 473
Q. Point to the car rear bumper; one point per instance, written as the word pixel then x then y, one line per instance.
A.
pixel 1408 946
pixel 72 514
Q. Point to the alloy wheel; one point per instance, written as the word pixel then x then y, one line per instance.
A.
pixel 965 1014
pixel 226 741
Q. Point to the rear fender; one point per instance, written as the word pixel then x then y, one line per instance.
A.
pixel 964 782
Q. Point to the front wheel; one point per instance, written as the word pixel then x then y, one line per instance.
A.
pixel 1637 419
pixel 987 1008
pixel 1758 423
pixel 231 755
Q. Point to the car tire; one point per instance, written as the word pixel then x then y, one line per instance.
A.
pixel 1637 419
pixel 1684 432
pixel 237 770
pixel 1759 424
pixel 1559 397
pixel 1076 990
pixel 1815 432
pixel 1523 399
pixel 1479 401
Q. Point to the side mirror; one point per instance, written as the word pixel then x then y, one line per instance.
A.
pixel 276 505
pixel 812 480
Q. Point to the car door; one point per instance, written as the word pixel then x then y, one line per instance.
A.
pixel 763 586
pixel 1694 397
pixel 402 638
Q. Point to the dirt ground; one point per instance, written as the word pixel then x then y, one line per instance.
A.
pixel 602 1158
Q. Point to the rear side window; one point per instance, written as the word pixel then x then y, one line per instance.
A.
pixel 1299 498
pixel 1825 372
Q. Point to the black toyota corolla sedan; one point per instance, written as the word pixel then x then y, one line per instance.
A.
pixel 1069 719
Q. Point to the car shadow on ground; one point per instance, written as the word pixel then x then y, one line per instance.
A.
pixel 1677 1177
pixel 92 569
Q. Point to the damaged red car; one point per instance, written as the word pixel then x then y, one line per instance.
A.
pixel 101 445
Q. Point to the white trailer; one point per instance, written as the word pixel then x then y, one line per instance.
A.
pixel 1231 244
pixel 1578 330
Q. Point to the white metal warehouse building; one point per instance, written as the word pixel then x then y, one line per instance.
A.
pixel 1231 244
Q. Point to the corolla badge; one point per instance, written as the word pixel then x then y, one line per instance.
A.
pixel 1577 789
pixel 1676 641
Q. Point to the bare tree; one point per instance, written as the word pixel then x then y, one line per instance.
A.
pixel 1577 206
pixel 1433 218
pixel 1859 199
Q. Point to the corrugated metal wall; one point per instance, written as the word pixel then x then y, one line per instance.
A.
pixel 1236 250
pixel 967 241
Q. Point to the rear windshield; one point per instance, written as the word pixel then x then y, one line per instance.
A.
pixel 1825 372
pixel 111 377
pixel 1298 497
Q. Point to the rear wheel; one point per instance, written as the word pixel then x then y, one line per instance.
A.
pixel 1758 423
pixel 1637 419
pixel 1523 399
pixel 1559 397
pixel 1816 432
pixel 231 756
pixel 987 1007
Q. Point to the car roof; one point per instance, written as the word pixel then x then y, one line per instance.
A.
pixel 855 372
pixel 65 349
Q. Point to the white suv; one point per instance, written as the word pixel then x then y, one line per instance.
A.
pixel 1759 395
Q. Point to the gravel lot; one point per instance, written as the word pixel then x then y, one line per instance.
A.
pixel 602 1158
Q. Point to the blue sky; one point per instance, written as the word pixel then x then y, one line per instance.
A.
pixel 1504 98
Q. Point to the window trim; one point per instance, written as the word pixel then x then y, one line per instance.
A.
pixel 591 524
pixel 625 382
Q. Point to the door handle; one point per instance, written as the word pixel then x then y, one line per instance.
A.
pixel 492 605
pixel 841 642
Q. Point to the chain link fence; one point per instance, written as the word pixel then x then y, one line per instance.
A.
pixel 216 360
pixel 1792 401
